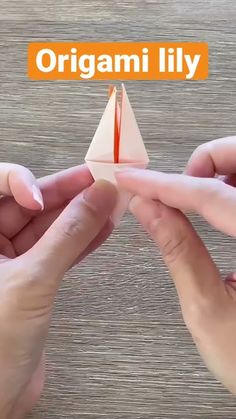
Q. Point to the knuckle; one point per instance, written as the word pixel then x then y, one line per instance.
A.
pixel 71 228
pixel 173 247
pixel 16 173
pixel 211 191
pixel 214 186
pixel 206 148
pixel 207 192
pixel 173 242
pixel 82 217
pixel 17 169
pixel 202 150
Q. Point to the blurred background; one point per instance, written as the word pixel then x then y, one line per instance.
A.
pixel 118 348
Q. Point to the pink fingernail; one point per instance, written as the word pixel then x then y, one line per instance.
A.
pixel 37 196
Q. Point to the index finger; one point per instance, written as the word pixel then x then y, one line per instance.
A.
pixel 211 198
pixel 56 189
pixel 213 157
pixel 64 185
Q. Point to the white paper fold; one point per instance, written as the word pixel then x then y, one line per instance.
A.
pixel 132 152
pixel 107 172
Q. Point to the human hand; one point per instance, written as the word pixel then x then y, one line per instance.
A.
pixel 208 303
pixel 36 248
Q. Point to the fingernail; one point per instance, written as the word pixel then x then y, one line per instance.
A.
pixel 231 277
pixel 38 196
pixel 116 216
pixel 101 195
pixel 231 280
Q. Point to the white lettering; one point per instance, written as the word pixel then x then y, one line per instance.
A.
pixel 39 60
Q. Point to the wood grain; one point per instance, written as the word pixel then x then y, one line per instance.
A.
pixel 118 347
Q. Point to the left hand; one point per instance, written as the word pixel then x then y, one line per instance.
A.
pixel 22 223
pixel 36 248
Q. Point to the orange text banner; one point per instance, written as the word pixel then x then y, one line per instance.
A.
pixel 118 60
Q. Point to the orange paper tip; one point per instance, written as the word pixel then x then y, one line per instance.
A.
pixel 110 90
pixel 116 136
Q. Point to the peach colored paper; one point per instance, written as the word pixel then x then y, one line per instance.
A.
pixel 117 144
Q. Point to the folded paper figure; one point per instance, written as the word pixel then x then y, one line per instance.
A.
pixel 117 144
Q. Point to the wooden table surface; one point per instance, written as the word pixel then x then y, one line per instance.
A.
pixel 118 348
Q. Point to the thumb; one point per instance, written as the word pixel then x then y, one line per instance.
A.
pixel 73 230
pixel 195 275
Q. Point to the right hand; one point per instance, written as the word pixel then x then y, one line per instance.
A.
pixel 208 303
